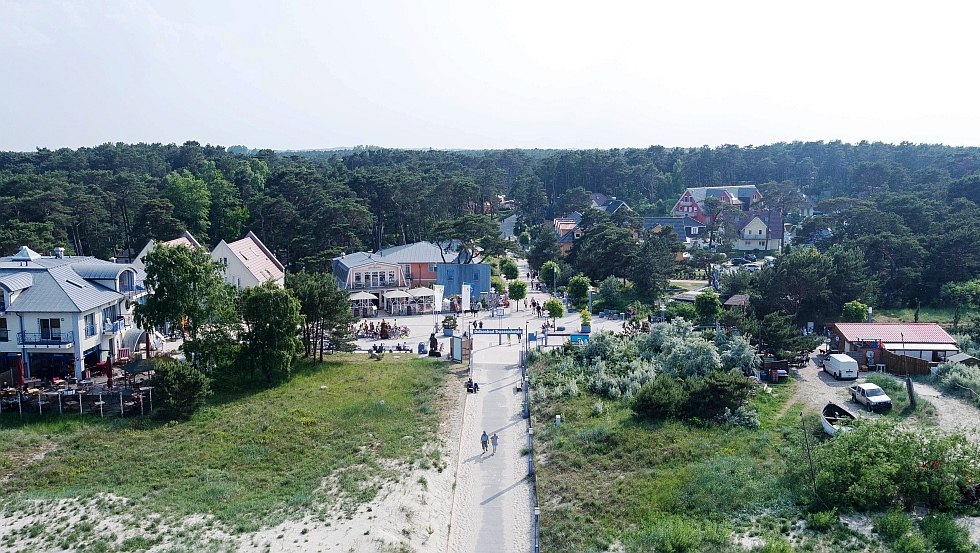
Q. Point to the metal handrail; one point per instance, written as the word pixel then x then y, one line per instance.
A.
pixel 45 337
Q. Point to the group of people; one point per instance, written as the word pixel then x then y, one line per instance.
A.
pixel 537 307
pixel 383 330
pixel 486 441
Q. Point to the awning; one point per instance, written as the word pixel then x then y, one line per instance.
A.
pixel 422 292
pixel 395 294
pixel 363 296
pixel 910 346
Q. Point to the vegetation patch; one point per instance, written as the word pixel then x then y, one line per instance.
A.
pixel 327 438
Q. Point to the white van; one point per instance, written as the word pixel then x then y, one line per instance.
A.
pixel 841 367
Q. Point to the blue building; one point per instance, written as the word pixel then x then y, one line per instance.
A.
pixel 454 275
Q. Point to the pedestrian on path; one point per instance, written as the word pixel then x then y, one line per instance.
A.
pixel 483 441
pixel 493 440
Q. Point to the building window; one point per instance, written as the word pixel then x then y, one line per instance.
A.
pixel 50 329
pixel 762 243
pixel 357 281
pixel 432 268
pixel 90 325
pixel 391 278
pixel 4 333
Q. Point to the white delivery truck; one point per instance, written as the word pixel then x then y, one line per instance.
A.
pixel 841 367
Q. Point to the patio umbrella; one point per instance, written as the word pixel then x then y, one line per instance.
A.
pixel 20 370
pixel 422 292
pixel 108 371
pixel 362 296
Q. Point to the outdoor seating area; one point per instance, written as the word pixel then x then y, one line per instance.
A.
pixel 126 393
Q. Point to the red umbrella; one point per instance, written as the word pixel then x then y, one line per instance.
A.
pixel 20 370
pixel 108 371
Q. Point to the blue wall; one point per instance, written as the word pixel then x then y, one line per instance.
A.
pixel 453 276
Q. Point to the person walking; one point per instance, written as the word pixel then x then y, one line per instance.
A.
pixel 483 441
pixel 493 441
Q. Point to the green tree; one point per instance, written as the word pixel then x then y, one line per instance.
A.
pixel 961 296
pixel 854 312
pixel 272 318
pixel 575 199
pixel 508 268
pixel 578 291
pixel 180 388
pixel 155 221
pixel 708 307
pixel 191 200
pixel 611 293
pixel 544 248
pixel 518 291
pixel 498 284
pixel 326 311
pixel 554 308
pixel 549 274
pixel 652 267
pixel 186 291
pixel 604 251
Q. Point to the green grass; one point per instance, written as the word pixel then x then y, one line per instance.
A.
pixel 249 460
pixel 923 411
pixel 941 315
pixel 668 485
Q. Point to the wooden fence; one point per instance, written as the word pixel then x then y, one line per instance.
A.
pixel 903 364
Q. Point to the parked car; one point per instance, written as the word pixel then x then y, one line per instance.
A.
pixel 739 261
pixel 871 396
pixel 750 256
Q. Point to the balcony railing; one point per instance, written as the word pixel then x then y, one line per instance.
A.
pixel 114 327
pixel 90 330
pixel 46 338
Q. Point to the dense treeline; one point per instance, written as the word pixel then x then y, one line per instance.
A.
pixel 911 209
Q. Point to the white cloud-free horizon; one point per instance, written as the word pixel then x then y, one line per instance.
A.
pixel 485 75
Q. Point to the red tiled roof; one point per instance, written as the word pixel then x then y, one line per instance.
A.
pixel 923 333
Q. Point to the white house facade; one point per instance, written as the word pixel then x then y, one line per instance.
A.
pixel 247 263
pixel 59 314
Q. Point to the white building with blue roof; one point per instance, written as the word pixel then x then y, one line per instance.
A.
pixel 60 313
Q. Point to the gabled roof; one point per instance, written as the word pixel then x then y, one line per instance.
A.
pixel 185 239
pixel 737 300
pixel 741 192
pixel 342 265
pixel 257 258
pixel 419 252
pixel 772 219
pixel 920 333
pixel 679 224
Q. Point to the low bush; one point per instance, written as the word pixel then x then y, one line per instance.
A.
pixel 892 525
pixel 742 416
pixel 726 484
pixel 880 465
pixel 912 543
pixel 822 521
pixel 667 396
pixel 944 534
pixel 674 534
pixel 663 397
pixel 959 379
pixel 180 388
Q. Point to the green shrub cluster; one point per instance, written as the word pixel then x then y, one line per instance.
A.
pixel 180 388
pixel 935 532
pixel 880 465
pixel 667 396
pixel 959 379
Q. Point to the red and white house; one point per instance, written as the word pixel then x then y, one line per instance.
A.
pixel 691 202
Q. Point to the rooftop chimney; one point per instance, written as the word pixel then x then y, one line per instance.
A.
pixel 59 253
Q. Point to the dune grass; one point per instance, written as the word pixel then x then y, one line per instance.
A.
pixel 248 459
pixel 610 477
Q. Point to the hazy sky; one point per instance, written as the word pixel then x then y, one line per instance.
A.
pixel 475 74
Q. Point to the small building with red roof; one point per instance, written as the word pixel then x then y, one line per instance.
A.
pixel 866 341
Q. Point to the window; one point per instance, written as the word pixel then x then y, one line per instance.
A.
pixel 391 278
pixel 357 281
pixel 50 329
pixel 90 325
pixel 382 279
pixel 432 268
pixel 762 243
pixel 4 333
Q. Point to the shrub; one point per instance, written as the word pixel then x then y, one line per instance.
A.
pixel 774 544
pixel 822 521
pixel 892 525
pixel 554 308
pixel 912 543
pixel 578 290
pixel 725 484
pixel 675 534
pixel 944 534
pixel 663 397
pixel 742 416
pixel 959 379
pixel 879 465
pixel 717 391
pixel 180 388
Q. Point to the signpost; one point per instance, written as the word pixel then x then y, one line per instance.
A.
pixel 500 332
